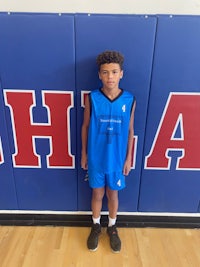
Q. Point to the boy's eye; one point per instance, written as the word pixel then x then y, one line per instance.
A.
pixel 114 72
pixel 103 72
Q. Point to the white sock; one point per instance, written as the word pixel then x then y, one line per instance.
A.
pixel 96 220
pixel 111 221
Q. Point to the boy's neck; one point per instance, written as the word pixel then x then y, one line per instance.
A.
pixel 111 94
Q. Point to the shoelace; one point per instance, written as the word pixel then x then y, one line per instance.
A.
pixel 114 231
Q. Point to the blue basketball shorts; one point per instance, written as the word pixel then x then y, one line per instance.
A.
pixel 113 180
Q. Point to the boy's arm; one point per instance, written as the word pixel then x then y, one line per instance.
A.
pixel 84 134
pixel 127 164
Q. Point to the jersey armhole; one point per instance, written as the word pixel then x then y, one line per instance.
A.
pixel 133 103
pixel 90 102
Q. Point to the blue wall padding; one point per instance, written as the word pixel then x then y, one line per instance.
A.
pixel 175 69
pixel 37 52
pixel 8 198
pixel 56 54
pixel 134 36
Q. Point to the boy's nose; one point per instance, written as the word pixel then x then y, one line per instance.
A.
pixel 110 74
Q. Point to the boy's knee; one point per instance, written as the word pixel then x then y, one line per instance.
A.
pixel 112 195
pixel 98 194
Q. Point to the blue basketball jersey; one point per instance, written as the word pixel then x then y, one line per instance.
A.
pixel 108 131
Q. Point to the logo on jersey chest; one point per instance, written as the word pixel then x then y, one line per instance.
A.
pixel 124 108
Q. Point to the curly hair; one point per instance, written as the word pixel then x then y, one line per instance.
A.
pixel 110 57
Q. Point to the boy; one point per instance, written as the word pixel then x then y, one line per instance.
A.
pixel 107 140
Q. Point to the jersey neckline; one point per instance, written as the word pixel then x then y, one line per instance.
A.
pixel 114 99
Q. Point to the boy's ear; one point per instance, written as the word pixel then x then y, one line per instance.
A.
pixel 99 75
pixel 122 73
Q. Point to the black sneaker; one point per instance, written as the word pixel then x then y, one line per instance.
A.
pixel 92 242
pixel 115 241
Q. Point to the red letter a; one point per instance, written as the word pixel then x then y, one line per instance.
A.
pixel 182 109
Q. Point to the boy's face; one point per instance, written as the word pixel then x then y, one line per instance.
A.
pixel 110 75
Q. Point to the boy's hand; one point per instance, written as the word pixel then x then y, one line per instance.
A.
pixel 84 163
pixel 127 167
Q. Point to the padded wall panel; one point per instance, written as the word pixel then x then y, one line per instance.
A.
pixel 36 55
pixel 134 37
pixel 170 182
pixel 8 199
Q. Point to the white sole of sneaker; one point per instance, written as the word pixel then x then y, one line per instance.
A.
pixel 93 250
pixel 116 252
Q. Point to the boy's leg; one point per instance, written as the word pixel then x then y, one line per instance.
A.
pixel 97 196
pixel 115 241
pixel 112 196
pixel 96 203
